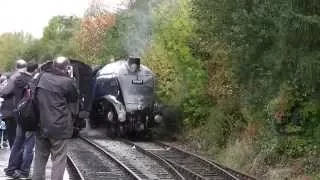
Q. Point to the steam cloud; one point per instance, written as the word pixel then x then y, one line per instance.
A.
pixel 139 31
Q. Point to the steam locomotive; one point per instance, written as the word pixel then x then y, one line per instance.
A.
pixel 124 98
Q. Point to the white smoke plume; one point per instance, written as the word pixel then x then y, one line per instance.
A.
pixel 139 31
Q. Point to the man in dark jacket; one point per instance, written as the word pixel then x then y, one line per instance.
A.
pixel 9 101
pixel 55 94
pixel 22 150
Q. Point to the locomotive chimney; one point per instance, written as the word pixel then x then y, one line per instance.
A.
pixel 134 63
pixel 134 60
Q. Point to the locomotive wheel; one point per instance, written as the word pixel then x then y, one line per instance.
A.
pixel 111 131
pixel 120 130
pixel 148 134
pixel 112 126
pixel 144 135
pixel 93 121
pixel 97 116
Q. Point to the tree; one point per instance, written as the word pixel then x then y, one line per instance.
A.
pixel 93 28
pixel 12 47
pixel 58 38
pixel 267 53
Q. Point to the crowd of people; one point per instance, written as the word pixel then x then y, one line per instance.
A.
pixel 55 94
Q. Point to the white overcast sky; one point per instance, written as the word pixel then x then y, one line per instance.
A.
pixel 33 15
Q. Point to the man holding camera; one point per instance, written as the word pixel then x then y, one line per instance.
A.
pixel 56 92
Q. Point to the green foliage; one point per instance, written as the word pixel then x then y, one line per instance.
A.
pixel 168 86
pixel 160 33
pixel 58 38
pixel 173 30
pixel 112 46
pixel 113 43
pixel 218 128
pixel 266 56
pixel 12 47
pixel 237 69
pixel 292 146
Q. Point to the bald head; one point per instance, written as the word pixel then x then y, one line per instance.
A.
pixel 61 63
pixel 20 64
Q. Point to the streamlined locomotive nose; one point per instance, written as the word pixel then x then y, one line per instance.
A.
pixel 128 88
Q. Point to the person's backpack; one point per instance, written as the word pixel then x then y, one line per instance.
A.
pixel 26 112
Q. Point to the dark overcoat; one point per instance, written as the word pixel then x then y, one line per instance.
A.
pixel 54 97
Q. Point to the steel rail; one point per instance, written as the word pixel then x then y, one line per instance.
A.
pixel 98 147
pixel 160 160
pixel 227 170
pixel 178 169
pixel 74 169
pixel 188 173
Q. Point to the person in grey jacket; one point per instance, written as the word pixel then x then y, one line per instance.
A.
pixel 56 92
pixel 7 93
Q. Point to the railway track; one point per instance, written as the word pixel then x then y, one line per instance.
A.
pixel 74 172
pixel 189 165
pixel 88 161
pixel 212 163
pixel 140 163
pixel 124 159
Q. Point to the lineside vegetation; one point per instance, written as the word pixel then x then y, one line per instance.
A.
pixel 243 73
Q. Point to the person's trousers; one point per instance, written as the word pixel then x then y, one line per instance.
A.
pixel 4 134
pixel 11 130
pixel 58 150
pixel 21 155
